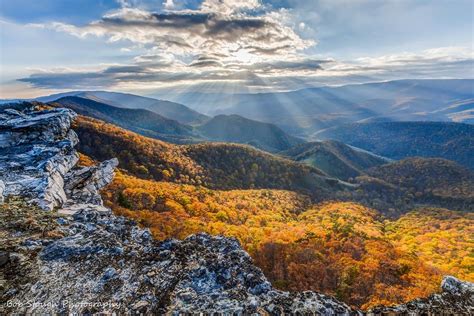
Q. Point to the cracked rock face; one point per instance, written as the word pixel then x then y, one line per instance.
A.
pixel 82 185
pixel 82 259
pixel 37 157
pixel 36 152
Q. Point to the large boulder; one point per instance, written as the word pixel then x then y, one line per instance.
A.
pixel 38 158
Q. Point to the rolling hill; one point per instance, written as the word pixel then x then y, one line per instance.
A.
pixel 334 158
pixel 141 121
pixel 399 186
pixel 213 165
pixel 237 129
pixel 398 140
pixel 170 110
pixel 220 128
pixel 440 177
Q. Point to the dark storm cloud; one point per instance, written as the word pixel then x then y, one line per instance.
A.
pixel 230 26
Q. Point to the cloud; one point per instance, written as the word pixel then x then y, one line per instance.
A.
pixel 158 71
pixel 241 42
pixel 226 7
pixel 218 26
pixel 169 4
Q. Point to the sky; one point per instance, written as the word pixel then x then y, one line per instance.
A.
pixel 229 46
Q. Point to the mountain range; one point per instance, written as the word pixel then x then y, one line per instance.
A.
pixel 149 123
pixel 371 117
pixel 397 140
pixel 304 112
pixel 170 110
pixel 318 170
pixel 142 121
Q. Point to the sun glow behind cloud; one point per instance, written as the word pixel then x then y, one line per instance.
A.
pixel 230 45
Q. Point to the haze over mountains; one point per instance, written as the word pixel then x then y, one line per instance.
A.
pixel 310 110
pixel 149 123
pixel 142 121
pixel 167 109
pixel 385 118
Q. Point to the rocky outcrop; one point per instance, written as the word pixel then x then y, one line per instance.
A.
pixel 82 185
pixel 456 298
pixel 108 261
pixel 37 160
pixel 82 259
pixel 36 152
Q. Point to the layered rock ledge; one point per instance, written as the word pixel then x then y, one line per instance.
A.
pixel 63 252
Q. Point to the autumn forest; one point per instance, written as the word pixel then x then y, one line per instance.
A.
pixel 384 237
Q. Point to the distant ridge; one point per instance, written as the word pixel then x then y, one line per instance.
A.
pixel 310 110
pixel 168 109
pixel 334 158
pixel 141 121
pixel 235 128
pixel 398 140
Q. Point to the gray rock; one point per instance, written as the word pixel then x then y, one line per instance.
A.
pixel 457 287
pixel 456 298
pixel 4 258
pixel 120 264
pixel 36 152
pixel 83 185
pixel 2 189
